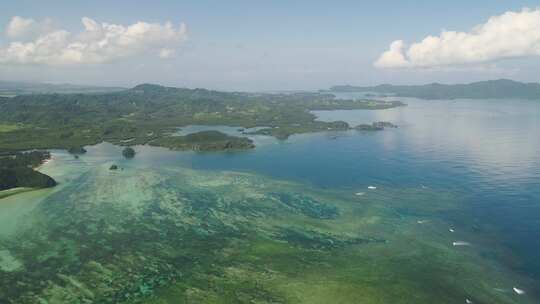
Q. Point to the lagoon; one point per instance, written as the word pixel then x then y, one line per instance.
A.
pixel 260 225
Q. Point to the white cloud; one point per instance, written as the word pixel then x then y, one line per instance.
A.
pixel 510 35
pixel 23 28
pixel 166 53
pixel 19 27
pixel 97 43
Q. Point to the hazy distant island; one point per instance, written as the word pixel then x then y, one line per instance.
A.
pixel 14 88
pixel 492 89
pixel 150 114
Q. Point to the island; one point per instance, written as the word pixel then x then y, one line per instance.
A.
pixel 376 126
pixel 128 152
pixel 283 132
pixel 205 141
pixel 491 89
pixel 150 114
pixel 17 171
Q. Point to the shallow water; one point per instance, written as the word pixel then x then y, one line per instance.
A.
pixel 202 227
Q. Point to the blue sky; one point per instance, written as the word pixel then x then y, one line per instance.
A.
pixel 266 45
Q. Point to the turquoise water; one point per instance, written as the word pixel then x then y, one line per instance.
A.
pixel 472 166
pixel 486 151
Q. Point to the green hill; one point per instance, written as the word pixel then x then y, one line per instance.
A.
pixel 16 171
pixel 149 114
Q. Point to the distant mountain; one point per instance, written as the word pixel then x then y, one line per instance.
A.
pixel 502 88
pixel 13 88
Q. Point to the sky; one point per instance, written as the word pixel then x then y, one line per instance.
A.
pixel 268 45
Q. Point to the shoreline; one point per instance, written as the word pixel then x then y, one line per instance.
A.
pixel 18 190
pixel 14 191
pixel 43 163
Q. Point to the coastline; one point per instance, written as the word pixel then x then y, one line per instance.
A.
pixel 14 191
pixel 43 163
pixel 18 190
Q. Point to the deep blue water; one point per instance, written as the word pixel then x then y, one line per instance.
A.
pixel 487 151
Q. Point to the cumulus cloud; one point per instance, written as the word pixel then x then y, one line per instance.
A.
pixel 19 27
pixel 510 35
pixel 27 28
pixel 166 53
pixel 97 43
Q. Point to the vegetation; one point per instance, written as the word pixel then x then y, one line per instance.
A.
pixel 205 141
pixel 496 89
pixel 77 150
pixel 376 126
pixel 28 159
pixel 283 132
pixel 9 127
pixel 149 114
pixel 128 152
pixel 16 171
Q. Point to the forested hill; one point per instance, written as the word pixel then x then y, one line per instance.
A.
pixel 492 89
pixel 16 171
pixel 147 113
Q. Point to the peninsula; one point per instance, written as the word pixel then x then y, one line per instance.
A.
pixel 149 114
pixel 17 171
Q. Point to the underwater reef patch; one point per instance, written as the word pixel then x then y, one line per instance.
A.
pixel 306 205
